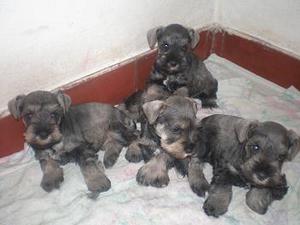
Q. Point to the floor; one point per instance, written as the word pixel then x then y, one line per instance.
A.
pixel 241 93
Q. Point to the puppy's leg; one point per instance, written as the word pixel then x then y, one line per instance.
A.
pixel 134 152
pixel 112 150
pixel 140 149
pixel 155 172
pixel 218 200
pixel 92 171
pixel 53 174
pixel 259 199
pixel 196 178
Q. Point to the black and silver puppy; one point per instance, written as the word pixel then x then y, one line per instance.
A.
pixel 242 153
pixel 177 66
pixel 171 126
pixel 60 133
pixel 176 69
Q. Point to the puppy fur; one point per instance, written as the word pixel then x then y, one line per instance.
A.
pixel 170 125
pixel 60 133
pixel 244 153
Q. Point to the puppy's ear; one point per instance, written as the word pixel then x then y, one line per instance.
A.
pixel 64 100
pixel 15 106
pixel 152 36
pixel 152 110
pixel 195 104
pixel 195 37
pixel 243 129
pixel 294 147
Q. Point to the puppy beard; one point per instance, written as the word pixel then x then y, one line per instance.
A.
pixel 176 148
pixel 163 65
pixel 272 176
pixel 37 142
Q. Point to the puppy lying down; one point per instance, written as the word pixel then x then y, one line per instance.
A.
pixel 242 152
pixel 60 133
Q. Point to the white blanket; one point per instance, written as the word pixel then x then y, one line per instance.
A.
pixel 23 202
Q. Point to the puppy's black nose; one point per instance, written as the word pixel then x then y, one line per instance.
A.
pixel 173 63
pixel 44 134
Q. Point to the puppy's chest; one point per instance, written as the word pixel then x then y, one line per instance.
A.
pixel 236 178
pixel 58 151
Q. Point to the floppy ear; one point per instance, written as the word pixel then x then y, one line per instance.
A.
pixel 152 110
pixel 294 147
pixel 195 38
pixel 152 36
pixel 195 105
pixel 15 106
pixel 64 100
pixel 243 128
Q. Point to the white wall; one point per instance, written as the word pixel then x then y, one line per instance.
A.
pixel 274 21
pixel 45 44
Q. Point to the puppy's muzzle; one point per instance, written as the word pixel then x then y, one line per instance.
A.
pixel 263 174
pixel 41 137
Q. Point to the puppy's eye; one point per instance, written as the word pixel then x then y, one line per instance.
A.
pixel 255 147
pixel 165 47
pixel 176 130
pixel 54 116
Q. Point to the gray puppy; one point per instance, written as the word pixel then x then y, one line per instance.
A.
pixel 242 153
pixel 60 133
pixel 177 66
pixel 177 70
pixel 170 127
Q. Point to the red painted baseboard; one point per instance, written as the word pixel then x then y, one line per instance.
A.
pixel 259 58
pixel 115 85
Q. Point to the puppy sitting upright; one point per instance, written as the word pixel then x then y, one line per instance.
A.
pixel 177 66
pixel 242 153
pixel 59 133
pixel 176 70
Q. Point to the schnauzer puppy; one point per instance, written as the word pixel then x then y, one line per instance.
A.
pixel 177 66
pixel 60 133
pixel 242 153
pixel 170 127
pixel 176 70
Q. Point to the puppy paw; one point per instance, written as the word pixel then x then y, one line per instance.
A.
pixel 259 200
pixel 153 175
pixel 214 208
pixel 52 180
pixel 134 153
pixel 218 200
pixel 110 158
pixel 97 183
pixel 200 187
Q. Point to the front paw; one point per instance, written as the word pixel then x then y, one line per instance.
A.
pixel 134 153
pixel 199 186
pixel 214 207
pixel 259 200
pixel 97 183
pixel 110 158
pixel 52 180
pixel 153 175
